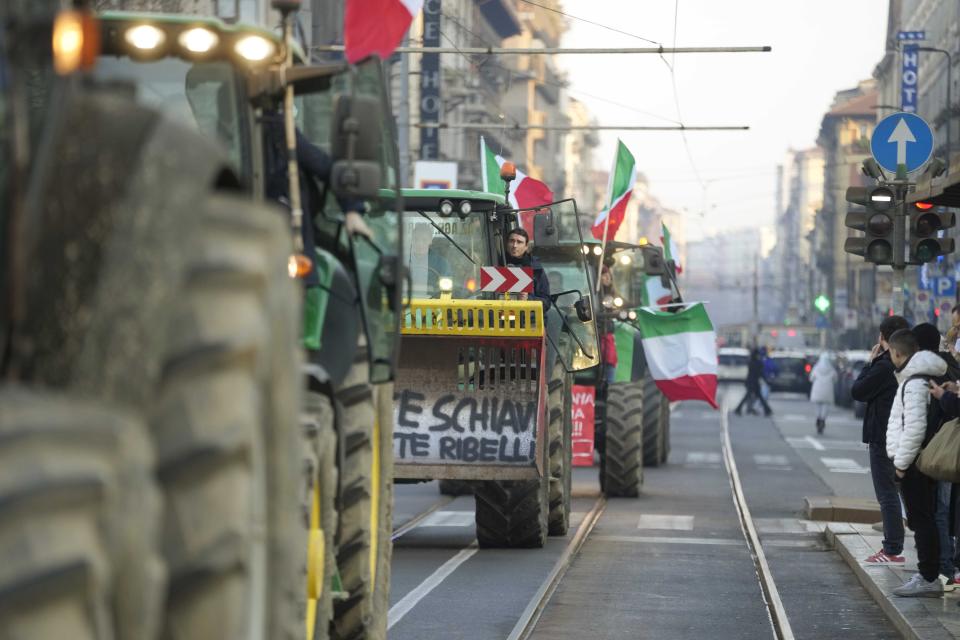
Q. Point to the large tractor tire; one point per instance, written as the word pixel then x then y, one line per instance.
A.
pixel 621 466
pixel 455 487
pixel 665 421
pixel 653 424
pixel 365 422
pixel 79 516
pixel 319 486
pixel 512 513
pixel 560 432
pixel 225 428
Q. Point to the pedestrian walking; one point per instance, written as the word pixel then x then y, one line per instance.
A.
pixel 876 386
pixel 907 430
pixel 754 374
pixel 823 379
pixel 929 339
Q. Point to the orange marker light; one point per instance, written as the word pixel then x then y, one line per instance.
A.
pixel 508 171
pixel 923 206
pixel 471 284
pixel 299 266
pixel 75 43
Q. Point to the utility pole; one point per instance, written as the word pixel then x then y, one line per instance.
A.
pixel 403 116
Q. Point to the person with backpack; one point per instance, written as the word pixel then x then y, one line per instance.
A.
pixel 929 339
pixel 907 432
pixel 876 386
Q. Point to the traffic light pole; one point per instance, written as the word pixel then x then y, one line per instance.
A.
pixel 902 187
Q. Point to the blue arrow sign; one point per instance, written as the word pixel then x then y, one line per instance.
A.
pixel 902 138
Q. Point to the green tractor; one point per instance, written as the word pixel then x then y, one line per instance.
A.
pixel 632 417
pixel 483 383
pixel 151 294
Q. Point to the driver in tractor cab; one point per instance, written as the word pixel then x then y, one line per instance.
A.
pixel 518 255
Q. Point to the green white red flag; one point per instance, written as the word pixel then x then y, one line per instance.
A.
pixel 654 294
pixel 681 351
pixel 525 192
pixel 670 251
pixel 620 188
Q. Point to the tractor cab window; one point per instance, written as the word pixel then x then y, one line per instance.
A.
pixel 443 254
pixel 201 95
pixel 628 276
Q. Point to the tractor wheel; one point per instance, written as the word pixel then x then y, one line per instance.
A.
pixel 455 487
pixel 622 461
pixel 319 510
pixel 512 513
pixel 225 428
pixel 560 428
pixel 652 423
pixel 365 421
pixel 665 421
pixel 79 516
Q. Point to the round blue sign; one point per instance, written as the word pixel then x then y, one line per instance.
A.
pixel 902 138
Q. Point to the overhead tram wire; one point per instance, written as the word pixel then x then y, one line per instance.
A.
pixel 596 24
pixel 549 83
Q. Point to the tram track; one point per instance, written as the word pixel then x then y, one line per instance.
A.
pixel 777 614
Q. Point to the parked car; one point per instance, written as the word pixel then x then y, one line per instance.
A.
pixel 791 372
pixel 849 366
pixel 732 364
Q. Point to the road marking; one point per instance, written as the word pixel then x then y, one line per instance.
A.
pixel 409 601
pixel 667 522
pixel 788 525
pixel 771 460
pixel 843 465
pixel 809 442
pixel 448 519
pixel 669 540
pixel 815 443
pixel 710 459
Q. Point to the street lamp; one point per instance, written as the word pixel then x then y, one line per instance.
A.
pixel 949 73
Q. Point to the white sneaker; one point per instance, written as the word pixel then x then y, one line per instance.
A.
pixel 917 587
pixel 949 584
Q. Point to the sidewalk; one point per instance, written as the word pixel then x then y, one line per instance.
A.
pixel 915 618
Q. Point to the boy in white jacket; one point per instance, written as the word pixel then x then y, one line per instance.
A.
pixel 906 434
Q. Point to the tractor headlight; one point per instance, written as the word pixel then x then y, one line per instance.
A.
pixel 597 250
pixel 198 40
pixel 446 208
pixel 618 301
pixel 445 284
pixel 255 48
pixel 632 314
pixel 144 37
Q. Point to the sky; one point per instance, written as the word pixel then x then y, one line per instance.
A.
pixel 819 48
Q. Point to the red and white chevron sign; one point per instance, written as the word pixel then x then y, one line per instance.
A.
pixel 506 279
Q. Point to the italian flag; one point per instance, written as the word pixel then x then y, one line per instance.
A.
pixel 654 293
pixel 525 192
pixel 681 351
pixel 619 189
pixel 670 251
pixel 376 26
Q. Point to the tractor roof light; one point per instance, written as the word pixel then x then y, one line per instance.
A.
pixel 586 249
pixel 465 208
pixel 145 38
pixel 597 250
pixel 632 314
pixel 255 48
pixel 508 171
pixel 445 209
pixel 643 241
pixel 198 40
pixel 625 259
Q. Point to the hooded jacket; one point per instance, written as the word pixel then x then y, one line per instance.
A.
pixel 907 427
pixel 876 386
pixel 823 378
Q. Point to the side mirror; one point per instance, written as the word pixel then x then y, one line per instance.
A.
pixel 357 128
pixel 584 309
pixel 653 263
pixel 358 179
pixel 545 231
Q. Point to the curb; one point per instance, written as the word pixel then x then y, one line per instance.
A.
pixel 910 616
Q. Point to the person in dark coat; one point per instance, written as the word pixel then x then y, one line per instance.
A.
pixel 753 394
pixel 518 255
pixel 876 386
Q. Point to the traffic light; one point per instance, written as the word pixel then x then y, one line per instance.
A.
pixel 822 303
pixel 876 221
pixel 925 223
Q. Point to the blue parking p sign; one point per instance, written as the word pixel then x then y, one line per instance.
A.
pixel 902 139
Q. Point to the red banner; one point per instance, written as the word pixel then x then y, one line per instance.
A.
pixel 584 398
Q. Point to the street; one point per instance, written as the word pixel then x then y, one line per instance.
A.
pixel 672 564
